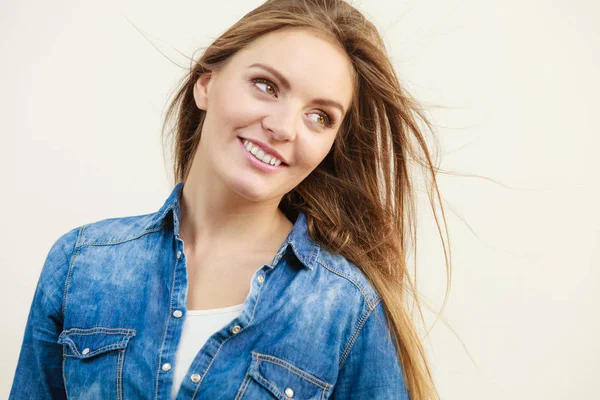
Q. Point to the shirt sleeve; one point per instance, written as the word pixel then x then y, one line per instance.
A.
pixel 372 368
pixel 38 372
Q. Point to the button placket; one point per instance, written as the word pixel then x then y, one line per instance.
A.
pixel 178 313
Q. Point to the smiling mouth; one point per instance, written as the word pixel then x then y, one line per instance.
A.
pixel 281 163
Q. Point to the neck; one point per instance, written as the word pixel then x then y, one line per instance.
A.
pixel 209 221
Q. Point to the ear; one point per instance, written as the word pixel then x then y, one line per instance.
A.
pixel 201 88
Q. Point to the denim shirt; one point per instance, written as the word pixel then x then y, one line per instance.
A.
pixel 109 306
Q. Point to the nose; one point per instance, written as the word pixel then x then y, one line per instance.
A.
pixel 282 123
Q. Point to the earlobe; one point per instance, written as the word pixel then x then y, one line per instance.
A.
pixel 201 91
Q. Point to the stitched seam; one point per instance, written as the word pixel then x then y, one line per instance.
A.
pixel 384 321
pixel 357 330
pixel 162 346
pixel 243 388
pixel 340 273
pixel 123 240
pixel 266 382
pixel 119 374
pixel 97 351
pixel 105 348
pixel 279 253
pixel 127 334
pixel 248 378
pixel 68 340
pixel 315 252
pixel 213 360
pixel 295 370
pixel 260 290
pixel 71 264
pixel 100 329
pixel 63 374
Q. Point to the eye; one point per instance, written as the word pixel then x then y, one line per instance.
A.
pixel 268 85
pixel 324 119
pixel 327 122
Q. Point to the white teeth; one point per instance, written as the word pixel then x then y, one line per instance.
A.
pixel 258 153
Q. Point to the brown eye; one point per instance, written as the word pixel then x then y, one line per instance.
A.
pixel 268 84
pixel 323 120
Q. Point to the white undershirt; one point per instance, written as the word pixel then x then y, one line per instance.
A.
pixel 198 326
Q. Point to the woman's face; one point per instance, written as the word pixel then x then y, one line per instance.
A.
pixel 284 90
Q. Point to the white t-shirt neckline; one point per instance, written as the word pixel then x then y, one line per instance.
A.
pixel 215 310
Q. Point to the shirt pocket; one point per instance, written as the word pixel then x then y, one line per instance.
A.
pixel 93 360
pixel 281 379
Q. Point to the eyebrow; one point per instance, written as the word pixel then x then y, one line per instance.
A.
pixel 286 84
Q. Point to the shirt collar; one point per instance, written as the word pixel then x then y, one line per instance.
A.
pixel 304 248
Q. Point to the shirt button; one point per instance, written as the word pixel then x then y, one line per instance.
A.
pixel 178 253
pixel 195 378
pixel 177 313
pixel 166 367
pixel 85 351
pixel 261 279
pixel 236 329
pixel 289 392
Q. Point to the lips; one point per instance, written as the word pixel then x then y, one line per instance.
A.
pixel 266 148
pixel 256 163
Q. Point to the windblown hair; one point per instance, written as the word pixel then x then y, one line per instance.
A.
pixel 360 200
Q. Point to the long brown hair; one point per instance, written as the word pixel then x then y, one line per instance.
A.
pixel 360 201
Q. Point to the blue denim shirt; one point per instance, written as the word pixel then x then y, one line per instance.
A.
pixel 109 306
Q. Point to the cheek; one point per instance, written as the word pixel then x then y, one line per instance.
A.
pixel 312 158
pixel 236 106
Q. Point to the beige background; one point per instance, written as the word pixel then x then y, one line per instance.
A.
pixel 82 100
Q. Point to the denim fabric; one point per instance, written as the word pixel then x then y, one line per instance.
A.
pixel 108 309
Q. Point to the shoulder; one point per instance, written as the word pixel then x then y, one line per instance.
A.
pixel 354 281
pixel 108 230
pixel 56 266
pixel 62 250
pixel 118 229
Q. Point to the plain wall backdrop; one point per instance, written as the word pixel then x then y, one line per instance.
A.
pixel 82 99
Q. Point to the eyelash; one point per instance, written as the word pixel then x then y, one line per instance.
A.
pixel 330 122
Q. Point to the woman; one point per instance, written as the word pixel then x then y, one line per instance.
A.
pixel 292 139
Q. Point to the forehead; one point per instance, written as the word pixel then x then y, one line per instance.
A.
pixel 314 66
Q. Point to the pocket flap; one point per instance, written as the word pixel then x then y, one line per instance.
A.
pixel 284 380
pixel 89 342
